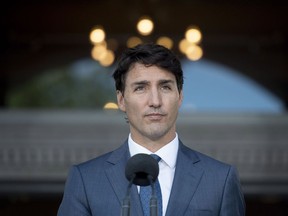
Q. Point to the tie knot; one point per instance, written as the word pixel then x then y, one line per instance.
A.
pixel 156 157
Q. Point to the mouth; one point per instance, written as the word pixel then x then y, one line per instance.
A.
pixel 155 116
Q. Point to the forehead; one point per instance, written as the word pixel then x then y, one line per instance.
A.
pixel 140 72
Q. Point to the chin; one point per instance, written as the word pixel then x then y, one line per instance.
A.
pixel 156 135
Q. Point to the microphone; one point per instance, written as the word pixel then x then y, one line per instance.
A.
pixel 142 170
pixel 139 167
pixel 126 201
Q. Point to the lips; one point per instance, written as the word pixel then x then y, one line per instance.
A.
pixel 155 116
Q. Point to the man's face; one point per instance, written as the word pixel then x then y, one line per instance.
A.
pixel 151 101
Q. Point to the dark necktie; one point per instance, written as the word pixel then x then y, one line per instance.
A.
pixel 146 192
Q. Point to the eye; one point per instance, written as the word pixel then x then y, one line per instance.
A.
pixel 139 88
pixel 166 87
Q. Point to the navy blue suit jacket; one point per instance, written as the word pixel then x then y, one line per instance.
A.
pixel 202 186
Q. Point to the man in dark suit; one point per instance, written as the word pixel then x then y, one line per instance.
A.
pixel 149 82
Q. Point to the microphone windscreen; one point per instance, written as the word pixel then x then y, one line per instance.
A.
pixel 139 167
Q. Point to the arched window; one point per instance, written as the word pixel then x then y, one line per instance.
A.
pixel 213 87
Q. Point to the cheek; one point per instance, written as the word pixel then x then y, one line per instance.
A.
pixel 133 108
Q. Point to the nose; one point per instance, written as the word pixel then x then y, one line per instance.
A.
pixel 155 99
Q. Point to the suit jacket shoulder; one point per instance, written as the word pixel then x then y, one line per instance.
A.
pixel 204 160
pixel 203 184
pixel 94 186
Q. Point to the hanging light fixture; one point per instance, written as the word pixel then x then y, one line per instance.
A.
pixel 193 35
pixel 103 52
pixel 97 35
pixel 165 41
pixel 133 41
pixel 145 26
pixel 194 52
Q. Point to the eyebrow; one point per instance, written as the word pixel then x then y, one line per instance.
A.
pixel 140 82
pixel 166 81
pixel 145 82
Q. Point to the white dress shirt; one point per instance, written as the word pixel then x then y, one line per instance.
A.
pixel 168 154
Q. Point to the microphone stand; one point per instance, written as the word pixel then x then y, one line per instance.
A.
pixel 125 211
pixel 153 200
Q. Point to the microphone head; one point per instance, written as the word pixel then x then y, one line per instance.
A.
pixel 139 167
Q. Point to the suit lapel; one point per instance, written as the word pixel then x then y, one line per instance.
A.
pixel 186 180
pixel 116 175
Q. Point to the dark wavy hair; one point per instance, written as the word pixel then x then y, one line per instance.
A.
pixel 148 55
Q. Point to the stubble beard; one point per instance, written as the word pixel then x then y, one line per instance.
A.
pixel 153 131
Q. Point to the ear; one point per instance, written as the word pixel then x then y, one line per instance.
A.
pixel 180 98
pixel 120 101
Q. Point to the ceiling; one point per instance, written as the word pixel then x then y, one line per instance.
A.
pixel 249 36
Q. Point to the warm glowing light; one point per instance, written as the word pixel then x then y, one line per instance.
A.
pixel 133 41
pixel 110 105
pixel 166 42
pixel 193 35
pixel 194 52
pixel 107 58
pixel 97 35
pixel 183 45
pixel 98 51
pixel 145 26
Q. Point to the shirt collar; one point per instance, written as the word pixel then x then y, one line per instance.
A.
pixel 168 153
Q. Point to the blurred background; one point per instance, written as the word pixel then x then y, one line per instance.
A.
pixel 58 104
